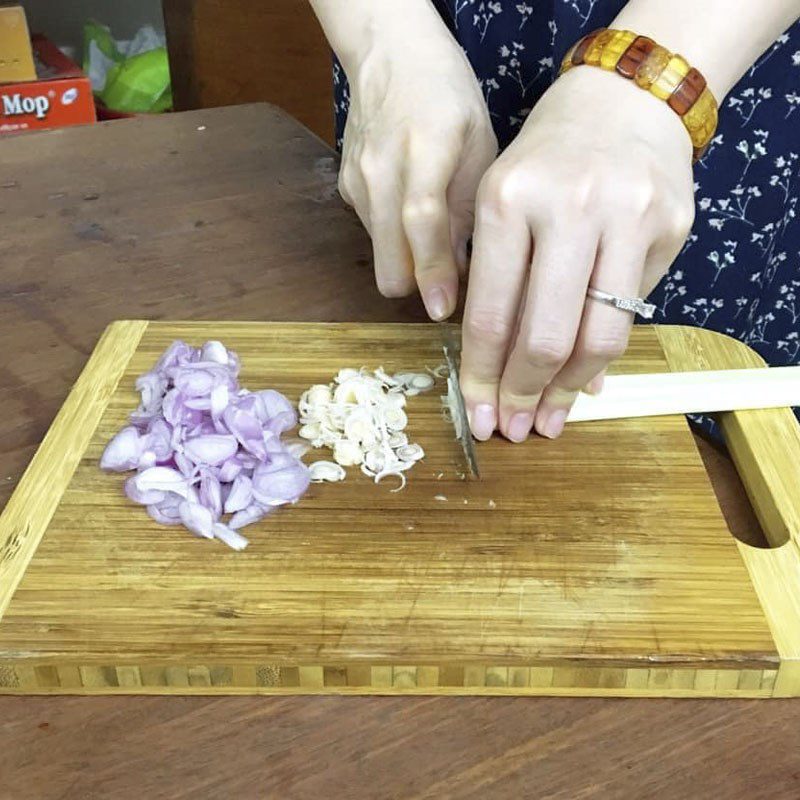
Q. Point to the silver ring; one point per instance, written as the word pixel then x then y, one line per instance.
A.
pixel 636 305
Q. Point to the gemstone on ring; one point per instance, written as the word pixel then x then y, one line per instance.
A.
pixel 635 305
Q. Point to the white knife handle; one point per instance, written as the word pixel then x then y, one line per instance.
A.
pixel 689 393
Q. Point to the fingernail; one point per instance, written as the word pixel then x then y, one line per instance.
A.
pixel 520 426
pixel 595 385
pixel 436 303
pixel 553 424
pixel 482 421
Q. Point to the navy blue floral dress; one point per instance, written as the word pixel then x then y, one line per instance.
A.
pixel 739 272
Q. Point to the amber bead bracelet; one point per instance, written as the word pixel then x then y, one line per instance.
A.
pixel 666 75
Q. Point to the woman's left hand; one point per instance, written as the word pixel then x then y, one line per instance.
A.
pixel 595 191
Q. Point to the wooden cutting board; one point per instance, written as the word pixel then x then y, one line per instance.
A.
pixel 599 564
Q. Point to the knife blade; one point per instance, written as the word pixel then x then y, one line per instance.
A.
pixel 455 400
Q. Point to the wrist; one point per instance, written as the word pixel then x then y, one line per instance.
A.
pixel 368 29
pixel 653 68
pixel 617 111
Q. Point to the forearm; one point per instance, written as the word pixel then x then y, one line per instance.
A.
pixel 722 38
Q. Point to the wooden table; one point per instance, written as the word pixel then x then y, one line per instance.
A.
pixel 233 213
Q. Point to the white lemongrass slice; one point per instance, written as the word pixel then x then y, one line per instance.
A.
pixel 398 439
pixel 346 375
pixel 396 419
pixel 319 394
pixel 395 400
pixel 387 473
pixel 421 382
pixel 349 391
pixel 311 430
pixel 410 452
pixel 347 453
pixel 314 414
pixel 384 378
pixel 375 460
pixel 359 427
pixel 326 471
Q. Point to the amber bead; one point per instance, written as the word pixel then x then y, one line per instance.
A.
pixel 687 92
pixel 651 68
pixel 566 62
pixel 670 78
pixel 582 46
pixel 595 51
pixel 632 58
pixel 701 119
pixel 616 46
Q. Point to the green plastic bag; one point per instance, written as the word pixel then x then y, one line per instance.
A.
pixel 132 78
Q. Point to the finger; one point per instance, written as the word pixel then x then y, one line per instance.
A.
pixel 562 262
pixel 604 331
pixel 500 260
pixel 461 194
pixel 426 221
pixel 394 264
pixel 595 385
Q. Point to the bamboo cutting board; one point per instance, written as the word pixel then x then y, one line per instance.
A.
pixel 599 564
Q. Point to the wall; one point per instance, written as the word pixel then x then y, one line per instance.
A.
pixel 63 20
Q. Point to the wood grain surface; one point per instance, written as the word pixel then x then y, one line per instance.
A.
pixel 234 222
pixel 627 584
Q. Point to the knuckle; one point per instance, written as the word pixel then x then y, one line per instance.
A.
pixel 578 194
pixel 681 221
pixel 635 196
pixel 499 192
pixel 604 347
pixel 370 165
pixel 421 210
pixel 488 326
pixel 547 352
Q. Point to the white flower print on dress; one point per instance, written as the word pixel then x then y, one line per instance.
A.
pixel 583 8
pixel 525 12
pixel 776 45
pixel 486 12
pixel 721 263
pixel 748 101
pixel 789 301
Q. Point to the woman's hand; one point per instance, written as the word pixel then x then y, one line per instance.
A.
pixel 595 191
pixel 417 142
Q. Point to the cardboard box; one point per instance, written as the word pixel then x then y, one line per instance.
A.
pixel 61 95
pixel 16 58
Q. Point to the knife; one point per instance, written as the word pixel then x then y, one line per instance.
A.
pixel 455 400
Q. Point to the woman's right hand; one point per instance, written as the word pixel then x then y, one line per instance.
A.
pixel 417 142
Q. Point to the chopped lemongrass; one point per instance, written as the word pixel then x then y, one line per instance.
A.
pixel 326 471
pixel 360 417
pixel 347 453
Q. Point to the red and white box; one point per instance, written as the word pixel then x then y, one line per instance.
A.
pixel 61 96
